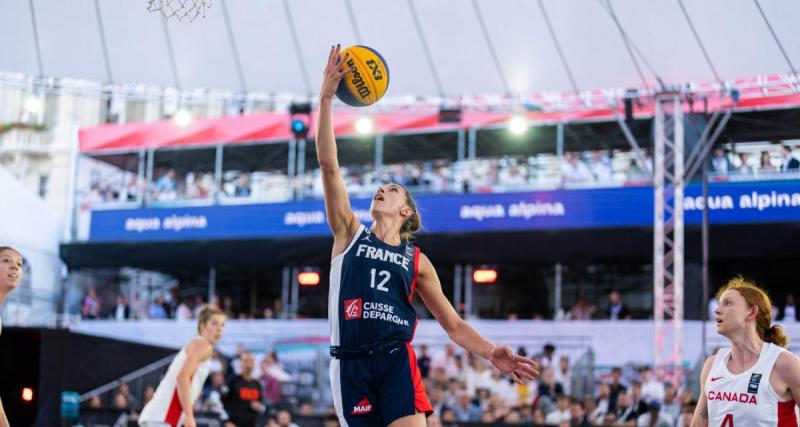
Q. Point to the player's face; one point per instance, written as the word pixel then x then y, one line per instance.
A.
pixel 10 270
pixel 732 313
pixel 390 199
pixel 213 328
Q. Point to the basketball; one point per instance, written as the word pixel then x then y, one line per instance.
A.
pixel 367 77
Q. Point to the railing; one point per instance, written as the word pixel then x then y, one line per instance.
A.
pixel 137 380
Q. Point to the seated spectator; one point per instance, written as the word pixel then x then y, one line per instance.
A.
pixel 637 401
pixel 654 417
pixel 616 388
pixel 603 405
pixel 745 168
pixel 766 166
pixel 788 162
pixel 624 411
pixel 561 413
pixel 548 387
pixel 671 406
pixel 616 308
pixel 156 309
pixel 563 374
pixel 284 419
pixel 122 311
pixel 789 311
pixel 601 167
pixel 687 411
pixel 720 164
pixel 91 305
pixel 652 389
pixel 464 410
pixel 581 310
pixel 546 357
pixel 184 311
pixel 242 188
pixel 577 414
pixel 574 171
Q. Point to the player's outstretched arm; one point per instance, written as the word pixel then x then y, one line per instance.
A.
pixel 519 368
pixel 700 417
pixel 341 219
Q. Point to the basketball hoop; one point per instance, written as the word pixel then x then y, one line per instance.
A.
pixel 182 10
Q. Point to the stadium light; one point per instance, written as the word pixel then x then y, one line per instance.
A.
pixel 27 394
pixel 518 124
pixel 365 125
pixel 182 118
pixel 33 104
pixel 484 276
pixel 308 278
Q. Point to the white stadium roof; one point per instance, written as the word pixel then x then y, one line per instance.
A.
pixel 433 47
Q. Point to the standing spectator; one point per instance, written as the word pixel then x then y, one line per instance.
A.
pixel 271 385
pixel 789 311
pixel 720 164
pixel 563 374
pixel 91 305
pixel 423 361
pixel 789 163
pixel 122 310
pixel 274 367
pixel 616 308
pixel 244 395
pixel 652 389
pixel 616 388
pixel 211 397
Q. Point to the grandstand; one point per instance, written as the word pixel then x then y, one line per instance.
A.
pixel 130 221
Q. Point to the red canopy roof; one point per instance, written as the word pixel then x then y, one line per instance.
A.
pixel 268 127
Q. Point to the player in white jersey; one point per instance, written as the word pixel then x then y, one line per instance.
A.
pixel 10 275
pixel 755 382
pixel 173 401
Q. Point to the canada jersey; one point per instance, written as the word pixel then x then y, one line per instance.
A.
pixel 165 406
pixel 371 286
pixel 747 399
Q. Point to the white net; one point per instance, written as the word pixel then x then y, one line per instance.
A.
pixel 182 10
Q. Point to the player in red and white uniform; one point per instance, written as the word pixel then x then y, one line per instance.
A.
pixel 173 401
pixel 10 275
pixel 755 382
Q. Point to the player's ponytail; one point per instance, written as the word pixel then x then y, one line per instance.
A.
pixel 776 336
pixel 413 223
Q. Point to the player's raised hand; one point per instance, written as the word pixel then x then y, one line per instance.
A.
pixel 334 71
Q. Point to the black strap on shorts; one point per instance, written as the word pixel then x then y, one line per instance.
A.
pixel 363 351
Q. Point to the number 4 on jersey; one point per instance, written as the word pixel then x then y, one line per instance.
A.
pixel 385 275
pixel 727 421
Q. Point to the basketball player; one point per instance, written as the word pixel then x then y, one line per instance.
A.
pixel 755 382
pixel 173 402
pixel 374 273
pixel 10 275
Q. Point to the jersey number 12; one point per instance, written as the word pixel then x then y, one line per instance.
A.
pixel 384 276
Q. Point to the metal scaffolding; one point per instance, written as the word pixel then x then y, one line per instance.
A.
pixel 668 232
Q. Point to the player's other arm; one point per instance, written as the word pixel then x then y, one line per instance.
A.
pixel 700 417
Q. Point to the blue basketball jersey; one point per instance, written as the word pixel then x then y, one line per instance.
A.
pixel 370 291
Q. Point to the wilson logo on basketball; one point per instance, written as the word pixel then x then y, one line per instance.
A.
pixel 363 407
pixel 352 309
pixel 357 80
